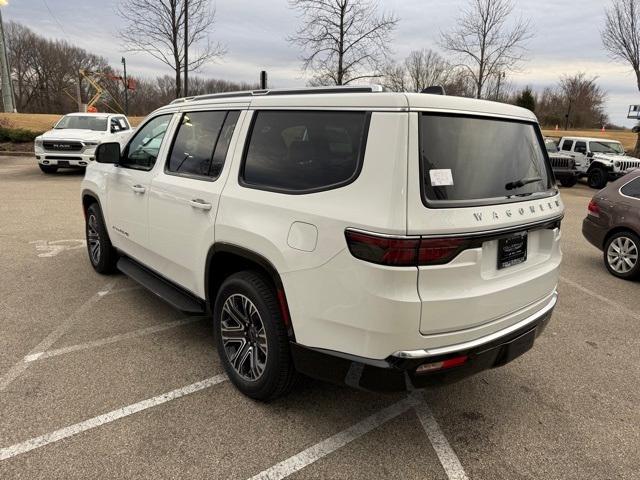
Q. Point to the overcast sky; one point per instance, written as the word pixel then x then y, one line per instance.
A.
pixel 567 39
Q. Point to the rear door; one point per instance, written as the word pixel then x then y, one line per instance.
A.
pixel 481 195
pixel 185 195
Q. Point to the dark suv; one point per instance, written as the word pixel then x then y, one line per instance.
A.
pixel 613 225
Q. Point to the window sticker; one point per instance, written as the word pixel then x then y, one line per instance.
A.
pixel 441 177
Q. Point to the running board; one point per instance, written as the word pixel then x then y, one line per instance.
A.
pixel 167 291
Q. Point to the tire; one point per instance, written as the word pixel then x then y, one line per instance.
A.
pixel 48 168
pixel 251 337
pixel 568 182
pixel 598 178
pixel 622 255
pixel 102 255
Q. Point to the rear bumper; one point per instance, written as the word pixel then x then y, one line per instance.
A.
pixel 398 371
pixel 594 233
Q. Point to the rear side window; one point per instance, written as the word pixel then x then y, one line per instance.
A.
pixel 303 152
pixel 201 143
pixel 581 147
pixel 474 161
pixel 632 189
pixel 566 145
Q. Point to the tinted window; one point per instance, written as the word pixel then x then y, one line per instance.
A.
pixel 201 143
pixel 143 149
pixel 632 189
pixel 465 159
pixel 304 151
pixel 566 145
pixel 581 147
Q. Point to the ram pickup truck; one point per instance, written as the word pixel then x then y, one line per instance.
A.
pixel 74 138
pixel 598 159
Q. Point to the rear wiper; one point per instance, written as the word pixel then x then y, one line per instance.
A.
pixel 522 182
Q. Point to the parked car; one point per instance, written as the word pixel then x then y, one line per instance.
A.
pixel 612 225
pixel 74 138
pixel 563 165
pixel 376 239
pixel 598 159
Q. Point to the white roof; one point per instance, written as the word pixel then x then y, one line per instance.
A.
pixel 381 101
pixel 591 139
pixel 90 114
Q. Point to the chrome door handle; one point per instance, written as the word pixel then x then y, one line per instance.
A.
pixel 138 188
pixel 199 203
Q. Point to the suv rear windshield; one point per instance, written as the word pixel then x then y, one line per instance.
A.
pixel 468 161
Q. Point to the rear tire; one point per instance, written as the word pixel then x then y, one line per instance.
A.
pixel 568 182
pixel 251 337
pixel 102 255
pixel 598 178
pixel 48 168
pixel 621 255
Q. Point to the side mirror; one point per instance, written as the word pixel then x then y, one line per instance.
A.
pixel 108 153
pixel 590 154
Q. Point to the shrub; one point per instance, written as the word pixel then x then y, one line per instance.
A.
pixel 17 135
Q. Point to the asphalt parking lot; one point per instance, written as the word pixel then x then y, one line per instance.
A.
pixel 100 379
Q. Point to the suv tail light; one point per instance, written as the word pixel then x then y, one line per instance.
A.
pixel 403 251
pixel 593 208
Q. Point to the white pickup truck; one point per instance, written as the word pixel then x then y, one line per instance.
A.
pixel 74 138
pixel 598 159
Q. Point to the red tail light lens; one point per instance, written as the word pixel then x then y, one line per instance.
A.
pixel 403 251
pixel 593 208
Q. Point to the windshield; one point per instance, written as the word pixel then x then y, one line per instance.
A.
pixel 552 147
pixel 79 122
pixel 471 161
pixel 606 147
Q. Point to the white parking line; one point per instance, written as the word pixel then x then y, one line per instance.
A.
pixel 15 371
pixel 331 444
pixel 41 441
pixel 116 338
pixel 448 458
pixel 606 300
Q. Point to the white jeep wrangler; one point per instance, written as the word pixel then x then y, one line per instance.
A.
pixel 386 241
pixel 598 159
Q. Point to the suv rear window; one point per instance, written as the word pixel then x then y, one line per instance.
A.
pixel 478 161
pixel 303 152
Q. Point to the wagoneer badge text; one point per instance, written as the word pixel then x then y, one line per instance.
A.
pixel 522 211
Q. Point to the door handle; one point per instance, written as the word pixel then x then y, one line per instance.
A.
pixel 199 203
pixel 138 188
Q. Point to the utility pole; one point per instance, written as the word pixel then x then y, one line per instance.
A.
pixel 126 87
pixel 7 86
pixel 566 117
pixel 186 48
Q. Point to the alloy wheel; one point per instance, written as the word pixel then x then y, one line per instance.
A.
pixel 93 237
pixel 622 255
pixel 244 338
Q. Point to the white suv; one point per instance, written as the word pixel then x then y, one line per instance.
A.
pixel 74 138
pixel 383 240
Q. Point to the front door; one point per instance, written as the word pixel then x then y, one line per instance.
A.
pixel 128 187
pixel 185 194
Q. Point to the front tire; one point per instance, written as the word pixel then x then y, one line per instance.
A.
pixel 597 178
pixel 251 337
pixel 621 255
pixel 48 169
pixel 568 182
pixel 102 255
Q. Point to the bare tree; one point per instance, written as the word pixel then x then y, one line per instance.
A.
pixel 157 28
pixel 343 40
pixel 483 44
pixel 621 38
pixel 421 69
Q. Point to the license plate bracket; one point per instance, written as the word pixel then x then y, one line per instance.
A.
pixel 512 250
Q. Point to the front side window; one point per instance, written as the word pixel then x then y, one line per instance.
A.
pixel 567 145
pixel 143 149
pixel 201 143
pixel 473 160
pixel 304 151
pixel 82 122
pixel 632 189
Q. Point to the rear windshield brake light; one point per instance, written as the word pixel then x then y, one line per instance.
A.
pixel 403 251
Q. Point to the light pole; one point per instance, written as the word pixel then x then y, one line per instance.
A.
pixel 7 86
pixel 126 87
pixel 186 48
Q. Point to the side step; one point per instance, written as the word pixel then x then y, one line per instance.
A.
pixel 167 291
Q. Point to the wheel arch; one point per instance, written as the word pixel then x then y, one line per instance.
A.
pixel 224 259
pixel 89 197
pixel 598 164
pixel 618 229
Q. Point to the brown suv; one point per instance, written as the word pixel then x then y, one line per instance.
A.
pixel 613 225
